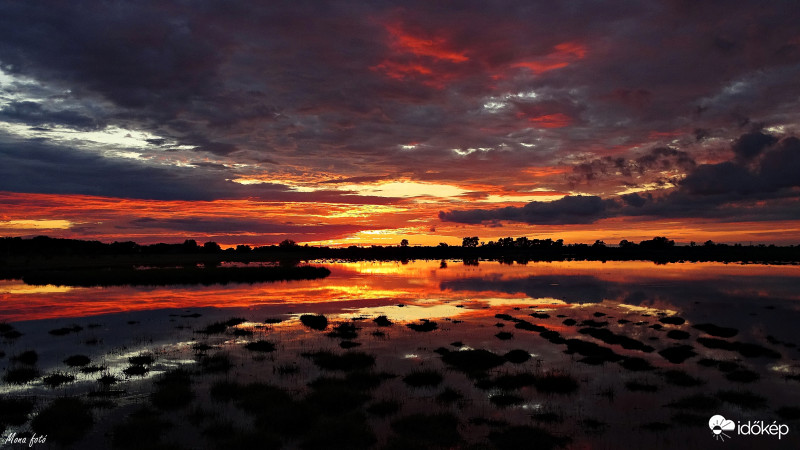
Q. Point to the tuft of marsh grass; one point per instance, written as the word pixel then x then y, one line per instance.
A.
pixel 56 379
pixel 314 321
pixel 260 346
pixel 77 360
pixel 424 326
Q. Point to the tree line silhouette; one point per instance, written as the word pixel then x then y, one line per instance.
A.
pixel 43 250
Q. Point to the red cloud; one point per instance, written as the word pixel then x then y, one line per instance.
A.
pixel 428 59
pixel 562 56
pixel 557 120
pixel 436 47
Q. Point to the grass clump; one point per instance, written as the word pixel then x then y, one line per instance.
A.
pixel 344 331
pixel 66 330
pixel 715 330
pixel 144 359
pixel 21 375
pixel 313 321
pixel 424 326
pixel 678 334
pixel 214 328
pixel 517 356
pixel 382 321
pixel 594 354
pixel 473 361
pixel 107 379
pixel 56 379
pixel 77 360
pixel 136 370
pixel 260 346
pixel 672 320
pixel 504 335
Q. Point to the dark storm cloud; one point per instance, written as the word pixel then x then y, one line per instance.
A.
pixel 764 188
pixel 38 167
pixel 340 87
pixel 568 210
pixel 750 145
pixel 34 114
pixel 658 159
pixel 761 189
pixel 41 168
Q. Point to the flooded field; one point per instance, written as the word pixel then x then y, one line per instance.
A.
pixel 427 354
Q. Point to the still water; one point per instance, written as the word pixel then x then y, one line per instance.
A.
pixel 639 397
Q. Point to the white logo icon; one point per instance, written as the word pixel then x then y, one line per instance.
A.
pixel 719 425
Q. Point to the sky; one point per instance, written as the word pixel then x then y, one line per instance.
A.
pixel 358 123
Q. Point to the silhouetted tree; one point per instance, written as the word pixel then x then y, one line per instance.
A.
pixel 470 241
pixel 287 243
pixel 211 247
pixel 658 242
pixel 404 243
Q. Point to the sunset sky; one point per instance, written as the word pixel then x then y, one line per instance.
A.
pixel 343 123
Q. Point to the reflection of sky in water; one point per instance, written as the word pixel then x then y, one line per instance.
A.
pixel 759 301
pixel 378 283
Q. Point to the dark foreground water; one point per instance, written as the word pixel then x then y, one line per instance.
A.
pixel 544 355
